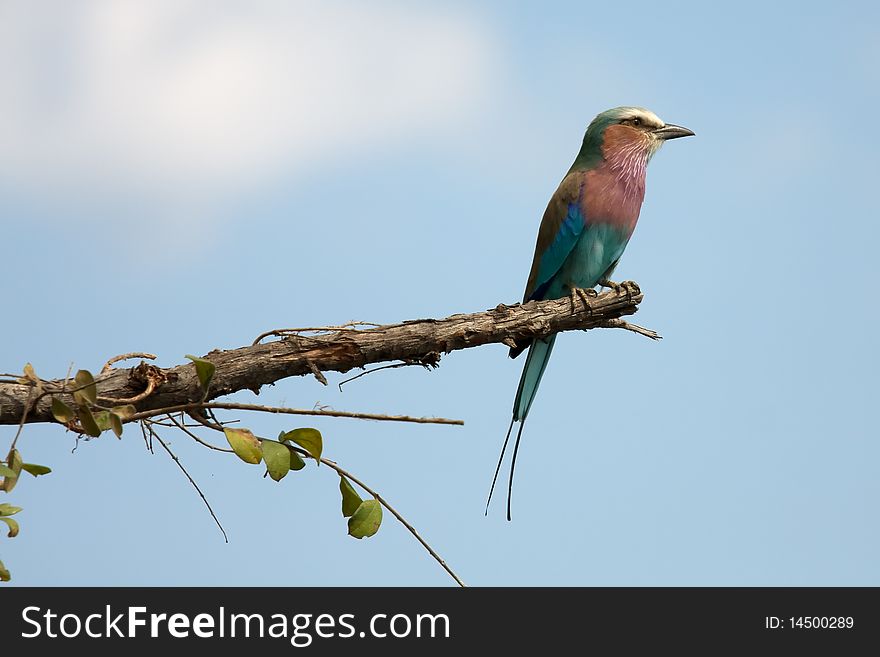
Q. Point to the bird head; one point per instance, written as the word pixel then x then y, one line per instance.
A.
pixel 627 129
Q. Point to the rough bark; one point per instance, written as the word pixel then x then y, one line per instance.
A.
pixel 417 341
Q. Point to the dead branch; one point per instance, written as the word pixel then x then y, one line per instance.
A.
pixel 338 349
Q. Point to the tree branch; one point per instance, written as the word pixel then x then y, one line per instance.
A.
pixel 339 349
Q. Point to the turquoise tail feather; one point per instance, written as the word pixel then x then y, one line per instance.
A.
pixel 536 363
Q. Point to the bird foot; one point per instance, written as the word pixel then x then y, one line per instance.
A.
pixel 584 295
pixel 629 288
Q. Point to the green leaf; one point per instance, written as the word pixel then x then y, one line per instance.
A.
pixel 8 510
pixel 277 459
pixel 13 462
pixel 30 375
pixel 309 439
pixel 204 369
pixel 36 470
pixel 365 521
pixel 6 471
pixel 118 415
pixel 90 391
pixel 61 411
pixel 124 412
pixel 88 422
pixel 350 498
pixel 13 526
pixel 116 424
pixel 30 378
pixel 4 574
pixel 102 419
pixel 244 444
pixel 296 461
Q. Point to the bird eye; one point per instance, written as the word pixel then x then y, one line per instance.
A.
pixel 636 121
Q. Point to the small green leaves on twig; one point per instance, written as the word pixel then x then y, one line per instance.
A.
pixel 124 412
pixel 280 458
pixel 76 404
pixel 118 415
pixel 91 423
pixel 205 370
pixel 365 521
pixel 13 464
pixel 277 458
pixel 309 439
pixel 116 425
pixel 36 470
pixel 88 390
pixel 84 394
pixel 30 376
pixel 61 411
pixel 364 516
pixel 296 461
pixel 88 421
pixel 350 498
pixel 29 373
pixel 102 419
pixel 12 524
pixel 10 471
pixel 7 510
pixel 113 419
pixel 244 444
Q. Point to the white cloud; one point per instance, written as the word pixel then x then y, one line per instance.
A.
pixel 181 98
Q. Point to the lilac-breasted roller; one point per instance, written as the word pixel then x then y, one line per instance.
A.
pixel 585 229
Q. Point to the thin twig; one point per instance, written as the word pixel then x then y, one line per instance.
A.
pixel 170 425
pixel 402 520
pixel 162 423
pixel 381 500
pixel 134 354
pixel 147 443
pixel 350 326
pixel 66 377
pixel 191 480
pixel 146 392
pixel 375 369
pixel 30 404
pixel 216 425
pixel 289 411
pixel 629 326
pixel 189 433
pixel 318 374
pixel 27 407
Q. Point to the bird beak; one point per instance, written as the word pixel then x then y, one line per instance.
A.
pixel 670 131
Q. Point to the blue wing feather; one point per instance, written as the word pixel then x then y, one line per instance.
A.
pixel 551 261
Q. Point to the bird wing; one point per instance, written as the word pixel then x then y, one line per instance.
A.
pixel 560 229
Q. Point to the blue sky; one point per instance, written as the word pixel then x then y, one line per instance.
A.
pixel 176 177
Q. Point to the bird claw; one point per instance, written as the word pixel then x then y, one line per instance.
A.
pixel 629 288
pixel 611 285
pixel 632 289
pixel 584 295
